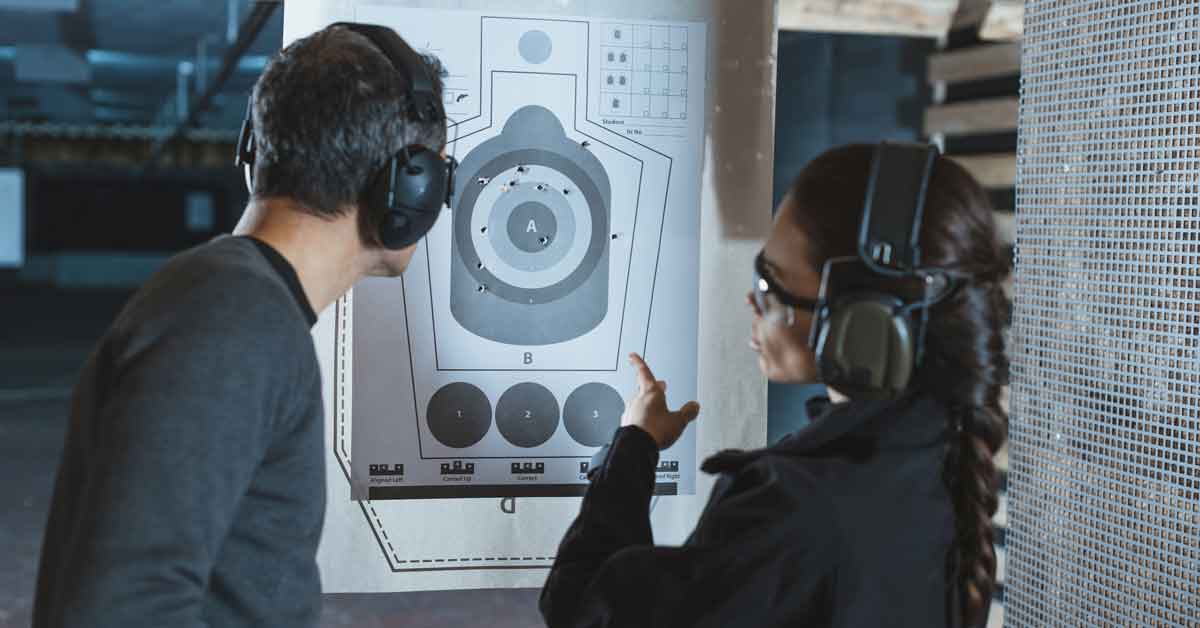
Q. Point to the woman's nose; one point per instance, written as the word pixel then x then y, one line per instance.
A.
pixel 753 304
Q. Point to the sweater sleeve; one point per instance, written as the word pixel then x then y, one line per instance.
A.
pixel 175 445
pixel 750 561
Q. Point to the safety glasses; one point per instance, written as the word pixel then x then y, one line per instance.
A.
pixel 768 293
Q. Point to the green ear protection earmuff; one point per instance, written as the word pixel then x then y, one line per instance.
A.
pixel 866 345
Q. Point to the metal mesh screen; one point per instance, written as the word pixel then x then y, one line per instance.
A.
pixel 1104 485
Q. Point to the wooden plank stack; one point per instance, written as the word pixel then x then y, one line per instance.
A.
pixel 973 115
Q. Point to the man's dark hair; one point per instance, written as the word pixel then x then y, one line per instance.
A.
pixel 329 111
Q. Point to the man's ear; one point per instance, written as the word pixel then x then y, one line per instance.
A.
pixel 368 226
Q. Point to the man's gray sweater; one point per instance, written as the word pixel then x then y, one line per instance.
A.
pixel 191 490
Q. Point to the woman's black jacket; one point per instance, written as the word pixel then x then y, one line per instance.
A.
pixel 844 523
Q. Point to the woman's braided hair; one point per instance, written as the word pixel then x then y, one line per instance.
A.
pixel 965 365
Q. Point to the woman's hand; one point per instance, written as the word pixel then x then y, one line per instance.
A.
pixel 648 410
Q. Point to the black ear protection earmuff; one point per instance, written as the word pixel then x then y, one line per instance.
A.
pixel 869 329
pixel 409 191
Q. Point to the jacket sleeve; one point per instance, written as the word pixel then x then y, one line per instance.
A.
pixel 745 557
pixel 172 451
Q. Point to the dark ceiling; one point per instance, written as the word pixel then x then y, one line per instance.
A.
pixel 128 62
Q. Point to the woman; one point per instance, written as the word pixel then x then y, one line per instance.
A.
pixel 878 512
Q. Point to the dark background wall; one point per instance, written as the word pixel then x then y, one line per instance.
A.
pixel 834 90
pixel 120 209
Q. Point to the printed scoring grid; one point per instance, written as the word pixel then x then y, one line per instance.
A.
pixel 644 72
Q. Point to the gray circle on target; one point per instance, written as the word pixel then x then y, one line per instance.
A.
pixel 527 414
pixel 459 415
pixel 592 414
pixel 532 227
pixel 535 47
pixel 564 219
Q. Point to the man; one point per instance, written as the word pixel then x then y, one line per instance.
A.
pixel 192 491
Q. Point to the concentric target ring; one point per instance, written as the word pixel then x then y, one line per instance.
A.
pixel 596 243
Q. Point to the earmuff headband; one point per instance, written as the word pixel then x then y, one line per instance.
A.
pixel 889 234
pixel 407 62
